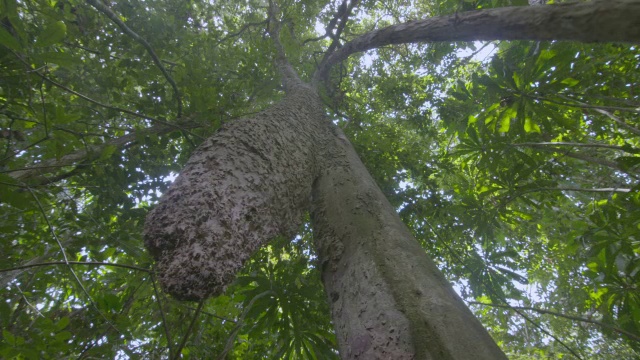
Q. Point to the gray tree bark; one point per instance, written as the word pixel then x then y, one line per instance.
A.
pixel 254 179
pixel 388 298
pixel 592 21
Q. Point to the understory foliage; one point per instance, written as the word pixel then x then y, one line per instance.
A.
pixel 515 164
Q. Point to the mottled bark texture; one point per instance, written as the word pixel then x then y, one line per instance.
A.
pixel 388 299
pixel 245 185
pixel 252 181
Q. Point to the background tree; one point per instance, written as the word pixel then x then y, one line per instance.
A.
pixel 492 153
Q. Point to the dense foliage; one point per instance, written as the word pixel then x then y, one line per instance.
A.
pixel 516 164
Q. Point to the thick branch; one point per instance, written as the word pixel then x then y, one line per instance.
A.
pixel 241 188
pixel 594 21
pixel 114 17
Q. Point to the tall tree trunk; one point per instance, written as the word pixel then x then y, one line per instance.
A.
pixel 388 298
pixel 253 180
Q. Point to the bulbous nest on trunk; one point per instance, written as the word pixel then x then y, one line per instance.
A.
pixel 242 187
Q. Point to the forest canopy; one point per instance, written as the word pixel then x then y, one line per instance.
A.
pixel 514 163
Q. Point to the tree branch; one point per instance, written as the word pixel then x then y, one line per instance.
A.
pixel 596 190
pixel 593 21
pixel 178 353
pixel 290 78
pixel 582 105
pixel 90 263
pixel 341 17
pixel 542 144
pixel 82 96
pixel 114 17
pixel 589 159
pixel 616 119
pixel 68 264
pixel 631 335
pixel 88 154
pixel 165 324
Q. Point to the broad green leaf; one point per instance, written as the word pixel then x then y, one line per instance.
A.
pixel 6 39
pixel 530 126
pixel 570 82
pixel 58 58
pixel 53 34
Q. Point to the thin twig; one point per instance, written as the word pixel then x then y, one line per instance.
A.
pixel 90 263
pixel 589 159
pixel 468 58
pixel 230 341
pixel 26 301
pixel 242 30
pixel 189 330
pixel 596 190
pixel 91 152
pixel 570 317
pixel 114 17
pixel 165 324
pixel 213 315
pixel 602 146
pixel 66 261
pixel 579 104
pixel 82 96
pixel 545 331
pixel 601 109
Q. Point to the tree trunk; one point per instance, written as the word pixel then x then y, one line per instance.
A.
pixel 253 180
pixel 388 298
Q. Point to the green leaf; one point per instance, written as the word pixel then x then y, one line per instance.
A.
pixel 58 58
pixel 53 34
pixel 107 152
pixel 570 82
pixel 530 126
pixel 505 122
pixel 628 162
pixel 6 39
pixel 62 323
pixel 13 193
pixel 63 336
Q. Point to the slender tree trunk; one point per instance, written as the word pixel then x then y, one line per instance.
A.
pixel 388 298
